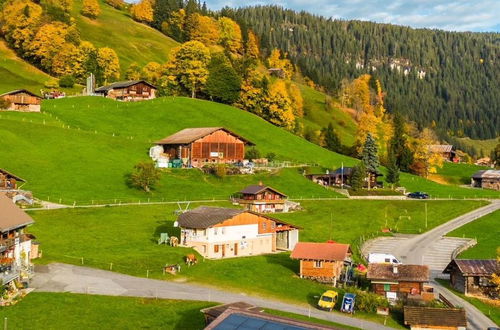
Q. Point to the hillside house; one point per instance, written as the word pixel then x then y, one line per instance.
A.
pixel 472 276
pixel 262 199
pixel 277 72
pixel 323 262
pixel 398 281
pixel 488 179
pixel 224 233
pixel 418 318
pixel 131 90
pixel 195 147
pixel 16 249
pixel 341 177
pixel 22 100
pixel 9 181
pixel 447 151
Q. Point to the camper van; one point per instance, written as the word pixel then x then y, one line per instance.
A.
pixel 382 258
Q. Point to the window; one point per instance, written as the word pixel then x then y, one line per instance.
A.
pixel 318 264
pixel 215 231
pixel 273 224
pixel 387 287
pixel 216 249
pixel 263 226
pixel 387 260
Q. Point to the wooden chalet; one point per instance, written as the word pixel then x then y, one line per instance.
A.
pixel 9 181
pixel 447 151
pixel 223 233
pixel 131 90
pixel 262 199
pixel 398 281
pixel 488 179
pixel 472 276
pixel 418 318
pixel 323 262
pixel 341 177
pixel 196 147
pixel 22 100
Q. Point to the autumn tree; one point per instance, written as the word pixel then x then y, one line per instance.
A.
pixel 277 106
pixel 69 62
pixel 187 67
pixel 230 35
pixel 369 157
pixel 252 46
pixel 425 160
pixel 143 11
pixel 145 176
pixel 280 61
pixel 109 64
pixel 223 83
pixel 174 26
pixel 91 8
pixel 152 72
pixel 297 100
pixel 133 72
pixel 48 42
pixel 118 4
pixel 203 29
pixel 19 21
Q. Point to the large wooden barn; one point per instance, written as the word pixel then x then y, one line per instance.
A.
pixel 22 100
pixel 196 147
pixel 131 90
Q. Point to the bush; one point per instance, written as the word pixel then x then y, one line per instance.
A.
pixel 220 170
pixel 67 81
pixel 51 83
pixel 368 301
pixel 271 156
pixel 4 103
pixel 252 153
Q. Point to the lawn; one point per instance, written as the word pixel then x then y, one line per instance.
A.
pixel 456 173
pixel 486 231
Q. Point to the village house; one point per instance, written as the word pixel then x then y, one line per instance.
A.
pixel 446 151
pixel 418 318
pixel 488 179
pixel 398 281
pixel 16 248
pixel 131 90
pixel 196 147
pixel 9 181
pixel 223 233
pixel 262 199
pixel 323 262
pixel 341 177
pixel 22 100
pixel 472 276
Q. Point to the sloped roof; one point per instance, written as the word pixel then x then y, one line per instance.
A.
pixel 320 251
pixel 440 148
pixel 408 273
pixel 122 84
pixel 11 216
pixel 473 267
pixel 189 135
pixel 17 91
pixel 257 188
pixel 204 217
pixel 438 317
pixel 11 175
pixel 487 174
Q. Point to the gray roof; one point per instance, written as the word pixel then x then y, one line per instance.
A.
pixel 256 188
pixel 189 135
pixel 121 84
pixel 11 216
pixel 17 91
pixel 487 174
pixel 473 267
pixel 440 148
pixel 204 217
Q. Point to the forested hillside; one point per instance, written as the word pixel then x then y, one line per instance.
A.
pixel 447 79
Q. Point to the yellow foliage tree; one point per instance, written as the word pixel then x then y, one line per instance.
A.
pixel 188 67
pixel 277 107
pixel 152 72
pixel 143 11
pixel 276 60
pixel 174 26
pixel 425 160
pixel 48 42
pixel 69 61
pixel 19 21
pixel 230 35
pixel 252 46
pixel 65 5
pixel 108 63
pixel 203 29
pixel 297 100
pixel 91 8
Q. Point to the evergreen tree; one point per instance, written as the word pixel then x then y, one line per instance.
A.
pixel 331 139
pixel 392 171
pixel 358 176
pixel 398 144
pixel 162 11
pixel 223 83
pixel 369 157
pixel 495 155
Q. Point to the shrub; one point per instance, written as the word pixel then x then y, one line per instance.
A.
pixel 145 176
pixel 220 170
pixel 271 156
pixel 252 153
pixel 67 81
pixel 4 103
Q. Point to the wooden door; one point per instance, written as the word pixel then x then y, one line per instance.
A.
pixel 235 249
pixel 223 250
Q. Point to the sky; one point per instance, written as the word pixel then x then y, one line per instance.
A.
pixel 452 15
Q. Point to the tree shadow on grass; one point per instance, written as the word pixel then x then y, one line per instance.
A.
pixel 190 319
pixel 283 259
pixel 165 226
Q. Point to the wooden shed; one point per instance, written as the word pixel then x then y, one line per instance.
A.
pixel 417 318
pixel 9 181
pixel 22 100
pixel 323 262
pixel 488 179
pixel 204 145
pixel 472 276
pixel 398 281
pixel 131 90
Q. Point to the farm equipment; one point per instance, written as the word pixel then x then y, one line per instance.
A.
pixel 348 303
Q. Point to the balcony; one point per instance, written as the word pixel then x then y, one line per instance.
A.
pixel 9 273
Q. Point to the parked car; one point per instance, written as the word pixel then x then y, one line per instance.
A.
pixel 327 300
pixel 348 303
pixel 418 195
pixel 383 258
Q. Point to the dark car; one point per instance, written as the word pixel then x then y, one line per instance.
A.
pixel 418 195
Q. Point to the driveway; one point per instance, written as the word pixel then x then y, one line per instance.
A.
pixel 58 277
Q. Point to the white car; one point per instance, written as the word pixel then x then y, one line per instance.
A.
pixel 383 258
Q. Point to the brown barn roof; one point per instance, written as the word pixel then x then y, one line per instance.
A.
pixel 256 188
pixel 17 91
pixel 413 273
pixel 320 251
pixel 11 216
pixel 122 84
pixel 437 317
pixel 473 267
pixel 11 175
pixel 189 135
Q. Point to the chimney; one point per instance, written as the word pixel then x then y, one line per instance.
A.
pixel 395 269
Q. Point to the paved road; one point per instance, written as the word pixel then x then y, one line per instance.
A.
pixel 435 250
pixel 58 277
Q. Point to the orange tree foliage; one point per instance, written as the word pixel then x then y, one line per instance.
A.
pixel 230 35
pixel 109 64
pixel 152 72
pixel 277 107
pixel 48 42
pixel 187 68
pixel 118 4
pixel 203 29
pixel 297 100
pixel 19 21
pixel 252 46
pixel 425 161
pixel 64 5
pixel 143 11
pixel 91 8
pixel 276 60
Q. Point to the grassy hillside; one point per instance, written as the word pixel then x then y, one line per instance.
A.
pixel 456 174
pixel 132 41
